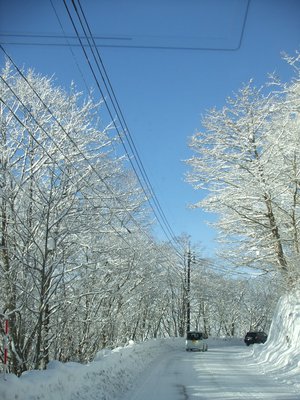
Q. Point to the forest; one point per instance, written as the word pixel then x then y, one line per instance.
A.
pixel 80 266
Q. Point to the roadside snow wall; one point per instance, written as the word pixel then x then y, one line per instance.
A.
pixel 281 352
pixel 111 373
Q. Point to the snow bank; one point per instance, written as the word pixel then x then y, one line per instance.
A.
pixel 114 372
pixel 111 373
pixel 280 355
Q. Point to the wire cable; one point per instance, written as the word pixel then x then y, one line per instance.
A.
pixel 128 135
pixel 40 145
pixel 111 116
pixel 70 47
pixel 58 147
pixel 108 108
pixel 126 40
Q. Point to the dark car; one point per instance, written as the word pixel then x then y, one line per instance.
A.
pixel 255 337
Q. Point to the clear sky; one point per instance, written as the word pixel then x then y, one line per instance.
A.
pixel 168 62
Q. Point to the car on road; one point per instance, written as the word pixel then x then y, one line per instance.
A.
pixel 255 337
pixel 196 341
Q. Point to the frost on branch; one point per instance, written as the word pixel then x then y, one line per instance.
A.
pixel 247 159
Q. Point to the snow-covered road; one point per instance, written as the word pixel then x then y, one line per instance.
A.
pixel 221 373
pixel 161 369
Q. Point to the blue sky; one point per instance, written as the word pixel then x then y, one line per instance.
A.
pixel 168 61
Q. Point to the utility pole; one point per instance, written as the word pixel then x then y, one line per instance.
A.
pixel 188 287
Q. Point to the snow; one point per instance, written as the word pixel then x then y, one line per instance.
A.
pixel 280 356
pixel 111 373
pixel 162 369
pixel 220 374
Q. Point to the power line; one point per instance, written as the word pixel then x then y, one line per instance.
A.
pixel 37 141
pixel 54 35
pixel 128 135
pixel 116 107
pixel 56 145
pixel 119 113
pixel 12 43
pixel 126 41
pixel 59 148
pixel 70 47
pixel 59 167
pixel 111 98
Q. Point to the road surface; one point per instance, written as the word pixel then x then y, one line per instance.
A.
pixel 222 373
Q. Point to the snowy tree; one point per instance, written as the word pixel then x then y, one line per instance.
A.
pixel 62 190
pixel 79 266
pixel 247 160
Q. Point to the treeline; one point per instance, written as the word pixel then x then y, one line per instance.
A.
pixel 79 268
pixel 247 158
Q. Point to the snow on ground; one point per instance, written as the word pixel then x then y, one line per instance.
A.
pixel 116 372
pixel 222 373
pixel 280 355
pixel 111 373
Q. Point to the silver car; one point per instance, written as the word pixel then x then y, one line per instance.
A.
pixel 196 341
